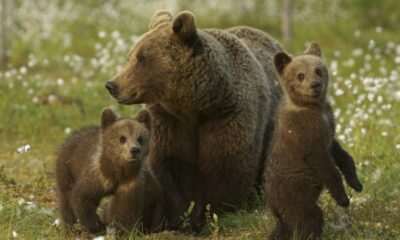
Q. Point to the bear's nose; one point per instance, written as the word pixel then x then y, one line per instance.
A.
pixel 111 87
pixel 135 151
pixel 316 86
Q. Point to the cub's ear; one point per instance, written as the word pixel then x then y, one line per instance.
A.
pixel 281 60
pixel 107 117
pixel 313 49
pixel 184 26
pixel 160 16
pixel 144 116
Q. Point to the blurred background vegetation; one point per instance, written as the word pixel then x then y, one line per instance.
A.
pixel 40 27
pixel 57 54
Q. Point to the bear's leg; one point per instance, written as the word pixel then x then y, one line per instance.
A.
pixel 308 221
pixel 68 217
pixel 346 165
pixel 282 230
pixel 85 198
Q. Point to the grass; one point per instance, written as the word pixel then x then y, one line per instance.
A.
pixel 52 86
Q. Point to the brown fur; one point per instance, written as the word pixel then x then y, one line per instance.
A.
pixel 136 204
pixel 94 161
pixel 300 162
pixel 212 102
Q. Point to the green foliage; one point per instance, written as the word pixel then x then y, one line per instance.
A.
pixel 62 52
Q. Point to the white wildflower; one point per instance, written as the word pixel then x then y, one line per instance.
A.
pixel 371 44
pixel 23 70
pixel 115 34
pixel 24 148
pixel 14 234
pixel 339 92
pixel 56 222
pixel 102 34
pixel 21 201
pixel 68 130
pixel 30 205
pixel 60 82
pixel 100 238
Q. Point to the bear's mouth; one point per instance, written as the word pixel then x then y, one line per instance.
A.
pixel 128 100
pixel 132 160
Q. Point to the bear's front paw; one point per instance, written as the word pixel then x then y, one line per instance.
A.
pixel 355 184
pixel 343 201
pixel 96 227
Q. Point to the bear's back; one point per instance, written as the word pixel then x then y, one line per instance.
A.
pixel 76 153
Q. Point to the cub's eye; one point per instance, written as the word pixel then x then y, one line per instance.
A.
pixel 318 72
pixel 300 76
pixel 140 58
pixel 122 139
pixel 140 140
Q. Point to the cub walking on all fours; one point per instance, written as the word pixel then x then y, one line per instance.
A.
pixel 95 161
pixel 300 161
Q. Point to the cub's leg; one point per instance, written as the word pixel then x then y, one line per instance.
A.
pixel 68 217
pixel 64 186
pixel 281 231
pixel 346 165
pixel 85 199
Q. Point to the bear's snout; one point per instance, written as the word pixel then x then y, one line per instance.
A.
pixel 316 86
pixel 135 152
pixel 111 87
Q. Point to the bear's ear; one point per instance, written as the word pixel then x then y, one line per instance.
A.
pixel 160 16
pixel 144 116
pixel 313 49
pixel 281 60
pixel 184 26
pixel 107 117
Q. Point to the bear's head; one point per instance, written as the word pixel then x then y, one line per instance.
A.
pixel 125 142
pixel 156 61
pixel 304 78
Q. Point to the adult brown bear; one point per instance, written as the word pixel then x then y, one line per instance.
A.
pixel 212 95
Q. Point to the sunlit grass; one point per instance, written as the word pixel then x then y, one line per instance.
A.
pixel 55 83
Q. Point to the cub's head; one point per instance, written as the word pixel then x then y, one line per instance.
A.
pixel 125 141
pixel 305 77
pixel 156 61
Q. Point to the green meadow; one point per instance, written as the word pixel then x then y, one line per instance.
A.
pixel 61 53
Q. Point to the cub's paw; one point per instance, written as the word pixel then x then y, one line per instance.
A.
pixel 343 201
pixel 96 227
pixel 355 184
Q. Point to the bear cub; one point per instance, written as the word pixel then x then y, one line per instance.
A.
pixel 303 153
pixel 93 162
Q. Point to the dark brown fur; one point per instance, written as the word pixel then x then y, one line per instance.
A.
pixel 94 162
pixel 212 102
pixel 300 162
pixel 136 204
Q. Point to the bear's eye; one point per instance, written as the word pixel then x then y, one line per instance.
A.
pixel 122 139
pixel 140 140
pixel 318 72
pixel 300 76
pixel 140 58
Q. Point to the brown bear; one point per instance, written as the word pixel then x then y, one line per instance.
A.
pixel 212 100
pixel 300 162
pixel 265 49
pixel 95 161
pixel 135 204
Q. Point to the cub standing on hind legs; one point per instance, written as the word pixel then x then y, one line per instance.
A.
pixel 300 162
pixel 93 162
